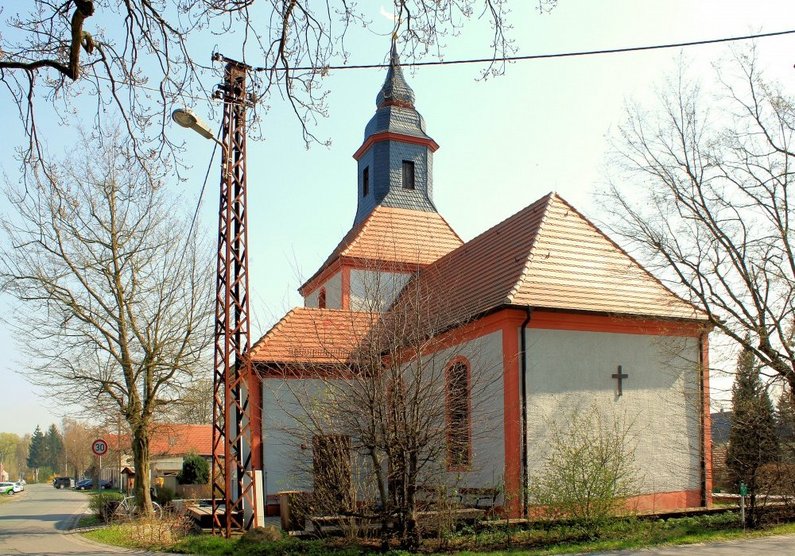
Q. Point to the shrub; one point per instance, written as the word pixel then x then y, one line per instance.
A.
pixel 590 468
pixel 164 496
pixel 104 504
pixel 263 534
pixel 195 470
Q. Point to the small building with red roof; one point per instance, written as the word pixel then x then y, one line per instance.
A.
pixel 169 443
pixel 543 310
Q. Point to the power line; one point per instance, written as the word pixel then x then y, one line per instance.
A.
pixel 538 56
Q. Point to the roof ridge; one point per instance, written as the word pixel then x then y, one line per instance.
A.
pixel 509 299
pixel 621 250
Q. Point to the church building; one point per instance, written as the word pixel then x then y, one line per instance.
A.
pixel 543 311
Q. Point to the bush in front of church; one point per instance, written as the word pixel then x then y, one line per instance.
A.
pixel 195 470
pixel 589 471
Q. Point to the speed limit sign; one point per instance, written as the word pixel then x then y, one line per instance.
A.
pixel 99 447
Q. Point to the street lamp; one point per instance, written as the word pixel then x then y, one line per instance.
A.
pixel 186 118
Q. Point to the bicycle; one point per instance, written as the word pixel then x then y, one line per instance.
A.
pixel 128 509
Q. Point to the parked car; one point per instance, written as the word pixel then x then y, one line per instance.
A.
pixel 88 484
pixel 18 487
pixel 62 482
pixel 7 488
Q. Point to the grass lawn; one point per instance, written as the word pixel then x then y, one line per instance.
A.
pixel 115 535
pixel 541 539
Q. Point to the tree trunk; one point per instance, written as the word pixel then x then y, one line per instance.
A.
pixel 140 448
pixel 412 538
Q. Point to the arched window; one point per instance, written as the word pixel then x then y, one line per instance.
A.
pixel 321 298
pixel 459 419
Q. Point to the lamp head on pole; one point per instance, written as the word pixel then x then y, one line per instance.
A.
pixel 188 119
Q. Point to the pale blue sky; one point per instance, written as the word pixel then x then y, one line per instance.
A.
pixel 504 142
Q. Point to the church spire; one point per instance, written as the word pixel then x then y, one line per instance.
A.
pixel 395 161
pixel 395 90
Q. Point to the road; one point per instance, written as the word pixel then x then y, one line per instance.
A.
pixel 765 546
pixel 36 521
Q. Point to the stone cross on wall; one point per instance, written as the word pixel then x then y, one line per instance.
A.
pixel 620 376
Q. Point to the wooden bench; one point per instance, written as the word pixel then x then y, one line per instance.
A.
pixel 475 497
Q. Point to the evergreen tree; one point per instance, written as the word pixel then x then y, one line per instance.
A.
pixel 785 415
pixel 36 452
pixel 53 449
pixel 752 439
pixel 195 470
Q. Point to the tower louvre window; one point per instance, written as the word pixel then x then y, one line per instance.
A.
pixel 321 298
pixel 408 174
pixel 365 181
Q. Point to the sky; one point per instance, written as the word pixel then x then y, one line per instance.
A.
pixel 504 142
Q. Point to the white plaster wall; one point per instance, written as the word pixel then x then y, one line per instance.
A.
pixel 660 403
pixel 333 293
pixel 373 290
pixel 287 402
pixel 311 299
pixel 286 440
pixel 488 449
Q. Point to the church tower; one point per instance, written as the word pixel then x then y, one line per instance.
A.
pixel 395 161
pixel 397 229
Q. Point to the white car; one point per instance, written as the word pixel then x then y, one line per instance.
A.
pixel 7 488
pixel 19 486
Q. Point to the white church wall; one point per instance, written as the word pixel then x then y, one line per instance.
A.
pixel 375 290
pixel 660 403
pixel 286 442
pixel 285 402
pixel 484 355
pixel 333 287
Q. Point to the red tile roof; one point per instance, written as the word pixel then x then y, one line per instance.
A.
pixel 547 255
pixel 171 439
pixel 316 336
pixel 396 235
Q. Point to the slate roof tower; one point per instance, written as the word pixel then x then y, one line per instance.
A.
pixel 396 227
pixel 395 161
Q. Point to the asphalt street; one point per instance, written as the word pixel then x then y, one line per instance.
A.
pixel 37 521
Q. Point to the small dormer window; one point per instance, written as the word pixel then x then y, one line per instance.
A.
pixel 321 298
pixel 408 174
pixel 365 181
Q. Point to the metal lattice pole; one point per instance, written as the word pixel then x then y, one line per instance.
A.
pixel 233 499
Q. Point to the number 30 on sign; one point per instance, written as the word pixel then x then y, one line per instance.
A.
pixel 99 447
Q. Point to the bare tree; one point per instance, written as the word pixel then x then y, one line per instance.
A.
pixel 706 201
pixel 8 450
pixel 77 438
pixel 195 404
pixel 114 293
pixel 137 59
pixel 392 423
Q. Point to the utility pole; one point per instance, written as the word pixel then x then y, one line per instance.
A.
pixel 232 470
